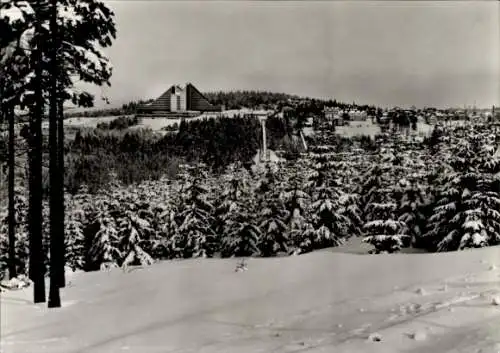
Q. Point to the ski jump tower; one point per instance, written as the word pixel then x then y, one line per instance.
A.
pixel 264 155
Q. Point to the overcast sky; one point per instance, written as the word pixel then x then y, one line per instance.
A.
pixel 384 53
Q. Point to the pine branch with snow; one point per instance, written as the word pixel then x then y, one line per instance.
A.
pixel 74 235
pixel 195 236
pixel 21 234
pixel 466 212
pixel 236 219
pixel 384 232
pixel 134 232
pixel 330 224
pixel 273 226
pixel 412 208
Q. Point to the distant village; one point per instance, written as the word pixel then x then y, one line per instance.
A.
pixel 186 101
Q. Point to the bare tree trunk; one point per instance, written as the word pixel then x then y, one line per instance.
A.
pixel 12 210
pixel 55 260
pixel 37 263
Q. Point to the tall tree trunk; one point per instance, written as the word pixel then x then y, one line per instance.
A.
pixel 37 263
pixel 60 163
pixel 55 252
pixel 60 187
pixel 12 210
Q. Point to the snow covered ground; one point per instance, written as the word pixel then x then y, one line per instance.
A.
pixel 319 302
pixel 84 122
pixel 370 129
pixel 156 124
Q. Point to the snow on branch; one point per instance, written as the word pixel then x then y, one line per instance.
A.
pixel 13 12
pixel 67 14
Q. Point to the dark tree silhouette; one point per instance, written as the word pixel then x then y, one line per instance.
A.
pixel 56 243
pixel 12 210
pixel 37 266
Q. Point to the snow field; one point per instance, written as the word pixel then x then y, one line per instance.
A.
pixel 305 303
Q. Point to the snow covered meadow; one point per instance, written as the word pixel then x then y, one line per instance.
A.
pixel 318 302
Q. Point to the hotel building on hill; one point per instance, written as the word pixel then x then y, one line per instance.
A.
pixel 180 99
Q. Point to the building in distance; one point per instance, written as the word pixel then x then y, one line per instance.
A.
pixel 180 100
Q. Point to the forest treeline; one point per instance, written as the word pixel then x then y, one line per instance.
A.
pixel 437 194
pixel 97 156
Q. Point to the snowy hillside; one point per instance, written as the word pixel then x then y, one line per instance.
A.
pixel 319 302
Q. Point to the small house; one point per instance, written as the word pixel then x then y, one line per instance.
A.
pixel 331 112
pixel 357 115
pixel 333 115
